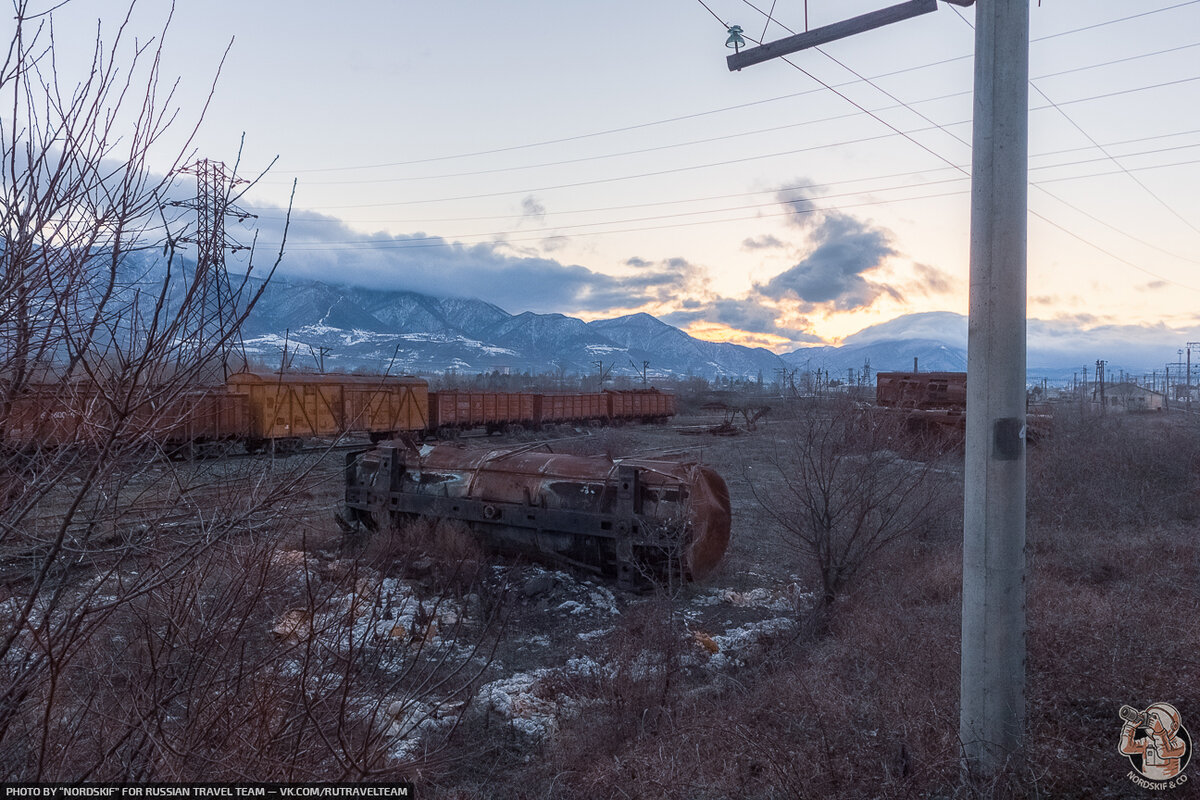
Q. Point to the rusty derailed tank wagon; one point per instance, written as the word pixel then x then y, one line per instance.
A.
pixel 630 519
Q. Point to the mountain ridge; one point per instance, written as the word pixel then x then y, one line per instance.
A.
pixel 358 328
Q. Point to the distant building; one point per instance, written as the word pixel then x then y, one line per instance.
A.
pixel 1130 397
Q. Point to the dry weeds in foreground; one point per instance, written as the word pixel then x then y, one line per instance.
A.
pixel 869 710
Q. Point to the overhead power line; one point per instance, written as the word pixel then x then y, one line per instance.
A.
pixel 739 135
pixel 815 186
pixel 1058 107
pixel 525 235
pixel 725 109
pixel 676 170
pixel 1052 104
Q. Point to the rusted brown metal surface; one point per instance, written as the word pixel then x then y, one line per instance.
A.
pixel 205 416
pixel 628 518
pixel 571 407
pixel 81 415
pixel 268 410
pixel 937 401
pixel 451 409
pixel 640 404
pixel 921 390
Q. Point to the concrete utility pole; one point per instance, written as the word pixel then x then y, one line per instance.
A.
pixel 992 693
pixel 992 707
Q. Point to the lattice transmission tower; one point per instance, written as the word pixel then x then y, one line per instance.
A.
pixel 215 305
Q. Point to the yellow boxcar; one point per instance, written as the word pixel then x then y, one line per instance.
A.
pixel 298 406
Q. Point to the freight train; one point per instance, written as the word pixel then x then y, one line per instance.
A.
pixel 635 520
pixel 270 411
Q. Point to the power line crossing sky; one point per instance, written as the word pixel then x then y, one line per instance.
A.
pixel 599 159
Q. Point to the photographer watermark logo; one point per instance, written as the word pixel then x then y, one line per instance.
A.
pixel 1157 744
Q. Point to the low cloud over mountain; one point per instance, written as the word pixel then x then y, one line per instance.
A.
pixel 324 248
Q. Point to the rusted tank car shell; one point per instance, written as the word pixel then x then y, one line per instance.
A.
pixel 678 509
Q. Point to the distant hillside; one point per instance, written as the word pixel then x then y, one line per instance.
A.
pixel 410 332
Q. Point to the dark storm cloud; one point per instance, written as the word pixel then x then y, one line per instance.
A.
pixel 840 249
pixel 844 248
pixel 326 249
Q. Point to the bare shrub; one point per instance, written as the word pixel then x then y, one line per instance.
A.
pixel 139 638
pixel 626 699
pixel 249 666
pixel 836 485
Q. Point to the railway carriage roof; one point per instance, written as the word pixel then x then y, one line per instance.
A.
pixel 327 378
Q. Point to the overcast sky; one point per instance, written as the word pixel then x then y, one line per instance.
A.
pixel 598 158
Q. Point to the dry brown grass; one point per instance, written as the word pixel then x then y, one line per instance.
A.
pixel 870 708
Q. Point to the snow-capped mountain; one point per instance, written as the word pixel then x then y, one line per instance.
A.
pixel 350 328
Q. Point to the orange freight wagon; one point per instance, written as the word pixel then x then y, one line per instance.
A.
pixel 643 404
pixel 449 409
pixel 200 417
pixel 573 407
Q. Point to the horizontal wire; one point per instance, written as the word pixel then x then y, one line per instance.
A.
pixel 685 117
pixel 688 200
pixel 444 241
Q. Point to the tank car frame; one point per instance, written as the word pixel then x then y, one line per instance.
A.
pixel 632 520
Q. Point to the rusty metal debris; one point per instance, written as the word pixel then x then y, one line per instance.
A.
pixel 728 426
pixel 633 519
pixel 936 402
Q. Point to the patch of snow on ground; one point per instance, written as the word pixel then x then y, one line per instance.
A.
pixel 587 636
pixel 744 642
pixel 786 598
pixel 572 607
pixel 513 699
pixel 516 698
